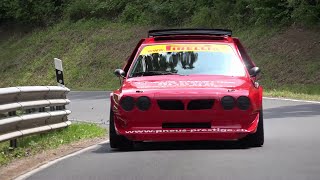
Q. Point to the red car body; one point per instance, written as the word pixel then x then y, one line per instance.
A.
pixel 186 108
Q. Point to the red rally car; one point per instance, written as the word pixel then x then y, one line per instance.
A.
pixel 187 85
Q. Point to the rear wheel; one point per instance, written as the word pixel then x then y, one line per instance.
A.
pixel 117 141
pixel 256 139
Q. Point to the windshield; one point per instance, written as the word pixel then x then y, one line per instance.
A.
pixel 187 59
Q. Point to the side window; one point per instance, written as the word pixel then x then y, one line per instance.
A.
pixel 129 61
pixel 139 65
pixel 246 59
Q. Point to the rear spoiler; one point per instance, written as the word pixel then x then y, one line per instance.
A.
pixel 174 32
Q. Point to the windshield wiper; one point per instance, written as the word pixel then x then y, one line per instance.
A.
pixel 153 73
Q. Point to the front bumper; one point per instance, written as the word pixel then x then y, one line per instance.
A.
pixel 187 134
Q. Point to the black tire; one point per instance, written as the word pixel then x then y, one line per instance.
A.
pixel 117 141
pixel 256 139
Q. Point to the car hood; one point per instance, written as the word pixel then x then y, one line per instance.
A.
pixel 186 83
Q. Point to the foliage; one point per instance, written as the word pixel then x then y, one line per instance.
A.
pixel 40 12
pixel 100 9
pixel 205 13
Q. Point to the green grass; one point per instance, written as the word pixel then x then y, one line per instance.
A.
pixel 30 145
pixel 306 92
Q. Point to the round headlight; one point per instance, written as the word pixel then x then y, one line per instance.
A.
pixel 243 102
pixel 143 103
pixel 127 103
pixel 228 102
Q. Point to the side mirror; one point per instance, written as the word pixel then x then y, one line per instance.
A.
pixel 120 73
pixel 254 71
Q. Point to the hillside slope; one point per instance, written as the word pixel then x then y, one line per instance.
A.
pixel 91 50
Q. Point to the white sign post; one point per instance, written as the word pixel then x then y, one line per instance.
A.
pixel 59 71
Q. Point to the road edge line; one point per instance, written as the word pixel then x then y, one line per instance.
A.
pixel 50 163
pixel 294 100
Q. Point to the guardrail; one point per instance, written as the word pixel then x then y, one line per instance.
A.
pixel 30 110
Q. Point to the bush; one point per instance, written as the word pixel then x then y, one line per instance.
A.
pixel 136 13
pixel 86 9
pixel 304 12
pixel 205 13
pixel 38 12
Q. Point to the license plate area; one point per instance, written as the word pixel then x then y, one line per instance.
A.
pixel 187 125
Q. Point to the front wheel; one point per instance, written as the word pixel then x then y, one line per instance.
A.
pixel 117 141
pixel 256 139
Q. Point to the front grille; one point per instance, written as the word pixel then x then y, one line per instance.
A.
pixel 200 104
pixel 186 125
pixel 170 105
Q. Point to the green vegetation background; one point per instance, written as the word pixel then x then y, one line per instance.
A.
pixel 93 37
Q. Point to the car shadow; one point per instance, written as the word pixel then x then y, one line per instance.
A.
pixel 302 110
pixel 167 146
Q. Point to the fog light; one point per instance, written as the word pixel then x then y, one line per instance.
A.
pixel 127 103
pixel 243 103
pixel 143 103
pixel 228 102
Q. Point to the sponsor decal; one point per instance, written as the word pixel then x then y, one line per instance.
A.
pixel 173 84
pixel 212 130
pixel 186 48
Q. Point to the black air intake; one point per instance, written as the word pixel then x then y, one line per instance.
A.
pixel 170 105
pixel 200 104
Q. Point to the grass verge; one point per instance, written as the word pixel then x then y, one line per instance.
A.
pixel 28 146
pixel 290 94
pixel 294 91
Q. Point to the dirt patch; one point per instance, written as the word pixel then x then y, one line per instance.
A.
pixel 27 164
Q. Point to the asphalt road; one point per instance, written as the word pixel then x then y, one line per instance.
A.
pixel 291 151
pixel 89 106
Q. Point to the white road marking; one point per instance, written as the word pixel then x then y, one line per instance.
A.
pixel 294 100
pixel 50 163
pixel 92 91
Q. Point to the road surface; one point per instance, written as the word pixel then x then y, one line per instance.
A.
pixel 89 106
pixel 291 150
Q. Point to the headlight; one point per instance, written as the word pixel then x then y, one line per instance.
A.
pixel 143 103
pixel 127 103
pixel 243 102
pixel 228 102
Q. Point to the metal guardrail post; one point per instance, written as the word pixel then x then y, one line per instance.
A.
pixel 13 143
pixel 28 110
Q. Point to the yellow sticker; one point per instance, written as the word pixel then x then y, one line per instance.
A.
pixel 185 48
